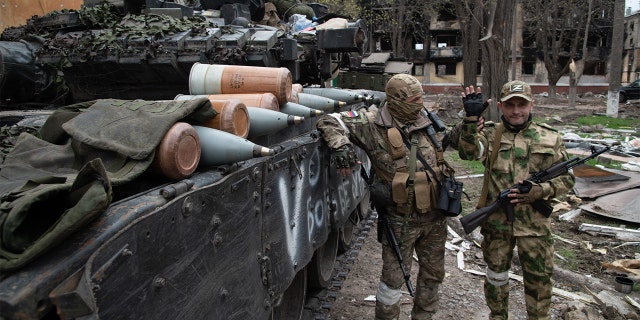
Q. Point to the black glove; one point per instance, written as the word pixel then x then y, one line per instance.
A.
pixel 529 192
pixel 344 157
pixel 473 105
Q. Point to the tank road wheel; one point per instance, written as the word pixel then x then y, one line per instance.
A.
pixel 321 265
pixel 293 299
pixel 346 232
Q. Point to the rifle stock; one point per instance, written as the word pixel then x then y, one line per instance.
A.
pixel 476 218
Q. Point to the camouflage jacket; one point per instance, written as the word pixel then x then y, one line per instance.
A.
pixel 367 128
pixel 521 154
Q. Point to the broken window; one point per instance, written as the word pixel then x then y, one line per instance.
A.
pixel 528 67
pixel 446 68
pixel 595 68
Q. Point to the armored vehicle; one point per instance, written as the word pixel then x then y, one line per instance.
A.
pixel 105 51
pixel 250 239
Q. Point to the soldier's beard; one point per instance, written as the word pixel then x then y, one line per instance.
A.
pixel 513 127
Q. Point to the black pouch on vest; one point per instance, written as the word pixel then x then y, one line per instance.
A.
pixel 450 198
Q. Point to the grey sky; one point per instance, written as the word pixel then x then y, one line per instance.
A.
pixel 634 4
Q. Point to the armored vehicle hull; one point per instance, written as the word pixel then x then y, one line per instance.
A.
pixel 242 241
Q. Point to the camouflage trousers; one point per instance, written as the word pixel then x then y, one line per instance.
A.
pixel 536 258
pixel 427 236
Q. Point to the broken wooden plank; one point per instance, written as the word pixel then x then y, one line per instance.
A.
pixel 620 233
pixel 606 230
pixel 627 244
pixel 476 272
pixel 569 215
pixel 449 246
pixel 560 257
pixel 572 295
pixel 454 235
pixel 633 302
pixel 555 236
pixel 460 260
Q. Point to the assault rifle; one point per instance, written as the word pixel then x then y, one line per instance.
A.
pixel 381 196
pixel 393 241
pixel 476 218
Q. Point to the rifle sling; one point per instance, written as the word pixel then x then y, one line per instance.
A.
pixel 421 159
pixel 487 171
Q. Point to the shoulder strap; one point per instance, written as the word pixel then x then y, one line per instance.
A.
pixel 421 159
pixel 494 154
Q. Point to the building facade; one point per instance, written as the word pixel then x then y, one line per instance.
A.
pixel 440 67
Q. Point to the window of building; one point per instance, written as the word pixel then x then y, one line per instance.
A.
pixel 446 68
pixel 528 67
pixel 594 68
pixel 418 70
pixel 446 41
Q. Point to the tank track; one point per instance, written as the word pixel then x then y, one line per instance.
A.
pixel 319 302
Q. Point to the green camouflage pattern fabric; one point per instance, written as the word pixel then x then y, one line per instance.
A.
pixel 520 155
pixel 536 259
pixel 426 233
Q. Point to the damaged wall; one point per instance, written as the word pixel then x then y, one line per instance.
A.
pixel 16 12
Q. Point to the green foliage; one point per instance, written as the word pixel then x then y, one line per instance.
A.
pixel 569 255
pixel 611 164
pixel 348 8
pixel 473 166
pixel 609 122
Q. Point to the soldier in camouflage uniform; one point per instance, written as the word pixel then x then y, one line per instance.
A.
pixel 524 148
pixel 383 134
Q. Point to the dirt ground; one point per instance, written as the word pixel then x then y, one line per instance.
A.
pixel 461 294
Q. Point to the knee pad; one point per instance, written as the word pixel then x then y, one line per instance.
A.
pixel 497 278
pixel 386 295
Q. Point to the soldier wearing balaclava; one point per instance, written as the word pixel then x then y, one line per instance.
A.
pixel 404 145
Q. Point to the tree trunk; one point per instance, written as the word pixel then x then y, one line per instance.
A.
pixel 552 91
pixel 495 54
pixel 573 89
pixel 578 67
pixel 616 59
pixel 471 23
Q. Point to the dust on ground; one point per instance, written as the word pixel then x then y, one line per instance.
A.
pixel 461 293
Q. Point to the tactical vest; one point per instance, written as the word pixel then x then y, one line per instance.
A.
pixel 413 188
